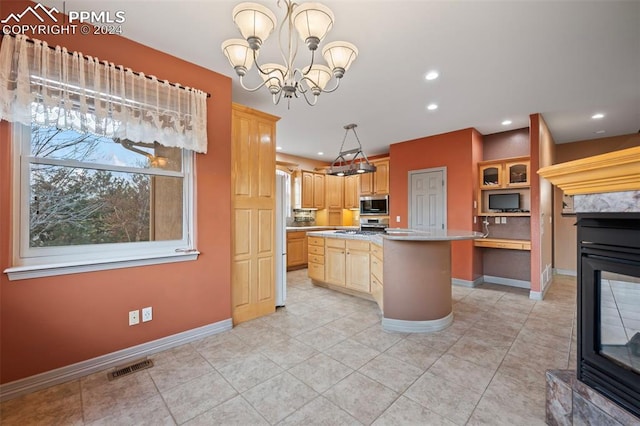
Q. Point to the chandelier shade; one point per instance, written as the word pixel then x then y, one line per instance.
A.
pixel 254 21
pixel 312 22
pixel 339 55
pixel 317 77
pixel 274 76
pixel 238 53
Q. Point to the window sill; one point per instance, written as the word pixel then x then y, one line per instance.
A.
pixel 39 271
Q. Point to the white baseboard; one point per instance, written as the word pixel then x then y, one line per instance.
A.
pixel 466 283
pixel 507 281
pixel 536 295
pixel 403 326
pixel 565 272
pixel 75 371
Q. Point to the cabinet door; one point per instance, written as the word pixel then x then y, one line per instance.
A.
pixel 335 191
pixel 318 191
pixel 296 252
pixel 335 217
pixel 381 177
pixel 358 274
pixel 490 176
pixel 517 174
pixel 351 185
pixel 334 260
pixel 307 190
pixel 366 184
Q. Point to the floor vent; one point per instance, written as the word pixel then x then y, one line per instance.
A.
pixel 130 369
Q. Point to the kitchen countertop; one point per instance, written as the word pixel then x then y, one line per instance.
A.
pixel 319 228
pixel 401 234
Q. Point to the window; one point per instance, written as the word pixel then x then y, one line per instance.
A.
pixel 103 161
pixel 86 198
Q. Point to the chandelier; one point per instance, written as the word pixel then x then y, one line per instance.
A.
pixel 312 22
pixel 343 167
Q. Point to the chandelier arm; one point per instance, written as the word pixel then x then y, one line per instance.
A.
pixel 248 89
pixel 304 94
pixel 335 88
pixel 292 47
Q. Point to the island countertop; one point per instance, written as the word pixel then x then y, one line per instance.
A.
pixel 401 234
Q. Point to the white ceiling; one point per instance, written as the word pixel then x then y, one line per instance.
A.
pixel 497 60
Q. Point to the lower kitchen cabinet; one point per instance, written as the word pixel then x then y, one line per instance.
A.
pixel 316 258
pixel 347 264
pixel 296 250
pixel 335 262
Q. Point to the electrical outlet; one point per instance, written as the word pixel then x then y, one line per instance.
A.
pixel 497 220
pixel 147 314
pixel 397 218
pixel 475 219
pixel 503 220
pixel 134 317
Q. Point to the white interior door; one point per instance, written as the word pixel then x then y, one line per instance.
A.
pixel 428 198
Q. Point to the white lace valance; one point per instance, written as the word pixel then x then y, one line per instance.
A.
pixel 54 88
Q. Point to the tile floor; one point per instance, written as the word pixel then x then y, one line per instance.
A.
pixel 324 360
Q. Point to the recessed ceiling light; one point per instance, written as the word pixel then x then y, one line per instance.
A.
pixel 279 148
pixel 597 116
pixel 506 122
pixel 432 107
pixel 599 132
pixel 432 75
pixel 321 153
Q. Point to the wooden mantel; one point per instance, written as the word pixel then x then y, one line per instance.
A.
pixel 616 171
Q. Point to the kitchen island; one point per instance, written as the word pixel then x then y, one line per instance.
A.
pixel 414 291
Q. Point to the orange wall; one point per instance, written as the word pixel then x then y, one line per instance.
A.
pixel 51 322
pixel 459 152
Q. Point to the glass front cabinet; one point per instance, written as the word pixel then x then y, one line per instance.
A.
pixel 512 173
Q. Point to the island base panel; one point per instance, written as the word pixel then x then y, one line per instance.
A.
pixel 417 281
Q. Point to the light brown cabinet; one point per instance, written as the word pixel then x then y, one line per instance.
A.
pixel 501 176
pixel 351 192
pixel 358 275
pixel 296 250
pixel 509 173
pixel 312 190
pixel 316 258
pixel 378 181
pixel 334 191
pixel 347 264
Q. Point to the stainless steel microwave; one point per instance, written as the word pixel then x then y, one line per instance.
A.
pixel 374 205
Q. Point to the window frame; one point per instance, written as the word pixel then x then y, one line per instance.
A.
pixel 33 262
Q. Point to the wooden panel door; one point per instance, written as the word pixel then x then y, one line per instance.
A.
pixel 357 268
pixel 319 201
pixel 307 191
pixel 335 191
pixel 253 204
pixel 334 262
pixel 381 177
pixel 351 186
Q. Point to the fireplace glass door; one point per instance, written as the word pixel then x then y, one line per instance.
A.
pixel 620 319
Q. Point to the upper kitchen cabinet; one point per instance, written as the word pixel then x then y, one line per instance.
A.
pixel 377 182
pixel 334 191
pixel 508 173
pixel 351 192
pixel 310 190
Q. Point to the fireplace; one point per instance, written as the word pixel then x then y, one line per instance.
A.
pixel 609 306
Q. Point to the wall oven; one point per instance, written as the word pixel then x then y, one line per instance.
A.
pixel 377 205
